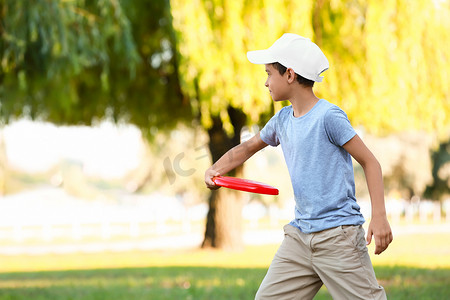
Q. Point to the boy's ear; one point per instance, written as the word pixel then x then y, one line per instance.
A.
pixel 290 75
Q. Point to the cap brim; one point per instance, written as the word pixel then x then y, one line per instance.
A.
pixel 260 57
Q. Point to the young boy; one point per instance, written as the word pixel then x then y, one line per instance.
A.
pixel 325 243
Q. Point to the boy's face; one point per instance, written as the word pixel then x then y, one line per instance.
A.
pixel 276 83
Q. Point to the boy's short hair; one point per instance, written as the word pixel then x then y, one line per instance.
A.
pixel 300 79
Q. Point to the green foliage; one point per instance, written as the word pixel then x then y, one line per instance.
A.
pixel 49 47
pixel 153 100
pixel 75 62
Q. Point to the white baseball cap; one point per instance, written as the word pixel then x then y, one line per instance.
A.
pixel 296 52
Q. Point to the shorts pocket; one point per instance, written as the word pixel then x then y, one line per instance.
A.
pixel 356 236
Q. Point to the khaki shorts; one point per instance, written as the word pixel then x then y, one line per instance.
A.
pixel 336 257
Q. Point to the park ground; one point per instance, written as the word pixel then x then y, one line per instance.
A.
pixel 415 266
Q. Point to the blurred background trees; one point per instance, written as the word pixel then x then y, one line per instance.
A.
pixel 52 51
pixel 156 64
pixel 77 62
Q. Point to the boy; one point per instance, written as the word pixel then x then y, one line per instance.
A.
pixel 324 244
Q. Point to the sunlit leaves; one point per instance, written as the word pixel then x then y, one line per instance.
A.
pixel 389 63
pixel 389 60
pixel 214 37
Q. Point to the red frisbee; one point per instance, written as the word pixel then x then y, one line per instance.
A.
pixel 245 185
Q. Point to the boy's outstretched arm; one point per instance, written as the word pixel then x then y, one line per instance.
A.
pixel 379 226
pixel 234 157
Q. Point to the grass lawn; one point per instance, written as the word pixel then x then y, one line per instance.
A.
pixel 415 267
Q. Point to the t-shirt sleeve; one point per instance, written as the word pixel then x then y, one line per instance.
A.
pixel 338 127
pixel 269 132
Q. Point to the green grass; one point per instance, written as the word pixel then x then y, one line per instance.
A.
pixel 414 267
pixel 414 283
pixel 134 283
pixel 195 283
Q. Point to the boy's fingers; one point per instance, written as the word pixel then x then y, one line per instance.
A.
pixel 213 186
pixel 210 182
pixel 210 174
pixel 388 240
pixel 381 243
pixel 369 237
pixel 212 177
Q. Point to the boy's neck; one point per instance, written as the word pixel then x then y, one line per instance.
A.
pixel 303 101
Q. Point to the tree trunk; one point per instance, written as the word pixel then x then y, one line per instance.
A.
pixel 224 219
pixel 3 164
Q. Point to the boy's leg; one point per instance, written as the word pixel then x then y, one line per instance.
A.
pixel 290 275
pixel 341 259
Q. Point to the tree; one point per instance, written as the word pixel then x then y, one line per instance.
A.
pixel 77 62
pixel 45 46
pixel 71 62
pixel 48 48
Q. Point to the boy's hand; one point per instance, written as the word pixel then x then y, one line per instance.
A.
pixel 209 175
pixel 380 229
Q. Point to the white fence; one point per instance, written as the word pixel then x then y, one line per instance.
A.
pixel 50 214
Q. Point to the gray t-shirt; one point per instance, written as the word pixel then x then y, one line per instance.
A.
pixel 321 170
